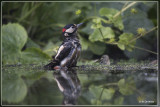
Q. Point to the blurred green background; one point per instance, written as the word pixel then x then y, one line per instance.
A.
pixel 32 31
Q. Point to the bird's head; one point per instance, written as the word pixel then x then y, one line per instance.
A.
pixel 70 29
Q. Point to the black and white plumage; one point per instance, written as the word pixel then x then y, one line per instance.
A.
pixel 69 51
pixel 69 84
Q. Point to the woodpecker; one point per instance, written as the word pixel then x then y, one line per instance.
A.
pixel 69 51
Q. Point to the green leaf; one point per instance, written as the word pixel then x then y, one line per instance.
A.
pixel 96 26
pixel 14 37
pixel 121 46
pixel 97 48
pixel 51 48
pixel 109 13
pixel 32 55
pixel 118 22
pixel 124 41
pixel 97 20
pixel 97 36
pixel 30 43
pixel 84 43
pixel 14 89
pixel 87 29
pixel 147 41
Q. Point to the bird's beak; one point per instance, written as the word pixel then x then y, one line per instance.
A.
pixel 78 25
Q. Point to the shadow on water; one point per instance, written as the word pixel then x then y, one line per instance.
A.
pixel 25 85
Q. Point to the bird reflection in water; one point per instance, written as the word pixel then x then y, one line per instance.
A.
pixel 69 85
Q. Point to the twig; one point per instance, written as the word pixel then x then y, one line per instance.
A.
pixel 124 9
pixel 146 50
pixel 96 17
pixel 144 34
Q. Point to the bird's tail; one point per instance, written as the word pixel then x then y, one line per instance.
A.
pixel 51 65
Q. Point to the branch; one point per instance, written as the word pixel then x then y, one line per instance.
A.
pixel 144 34
pixel 124 9
pixel 146 50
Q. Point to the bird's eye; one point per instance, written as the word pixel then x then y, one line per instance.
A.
pixel 72 26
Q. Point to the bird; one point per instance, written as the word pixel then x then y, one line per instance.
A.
pixel 104 60
pixel 69 51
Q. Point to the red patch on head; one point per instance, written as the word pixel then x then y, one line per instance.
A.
pixel 63 29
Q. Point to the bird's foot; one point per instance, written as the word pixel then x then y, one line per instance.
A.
pixel 57 68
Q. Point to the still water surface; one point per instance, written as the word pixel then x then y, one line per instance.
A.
pixel 26 85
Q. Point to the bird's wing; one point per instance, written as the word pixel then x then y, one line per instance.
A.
pixel 63 51
pixel 69 58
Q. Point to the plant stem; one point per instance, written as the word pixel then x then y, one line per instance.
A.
pixel 144 34
pixel 124 9
pixel 95 17
pixel 29 12
pixel 146 50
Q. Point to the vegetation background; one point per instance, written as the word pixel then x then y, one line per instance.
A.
pixel 32 33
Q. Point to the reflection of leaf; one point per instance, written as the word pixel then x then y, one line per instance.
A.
pixel 31 55
pixel 38 83
pixel 14 37
pixel 96 91
pixel 96 35
pixel 96 102
pixel 14 89
pixel 43 92
pixel 107 94
pixel 119 101
pixel 126 87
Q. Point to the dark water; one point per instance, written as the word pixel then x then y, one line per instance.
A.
pixel 25 85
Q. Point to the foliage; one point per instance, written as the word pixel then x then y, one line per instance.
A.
pixel 20 81
pixel 17 89
pixel 107 24
pixel 14 38
pixel 124 41
pixel 31 33
pixel 126 88
pixel 30 84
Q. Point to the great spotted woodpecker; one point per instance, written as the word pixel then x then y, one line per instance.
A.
pixel 69 51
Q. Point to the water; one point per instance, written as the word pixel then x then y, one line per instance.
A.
pixel 29 85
